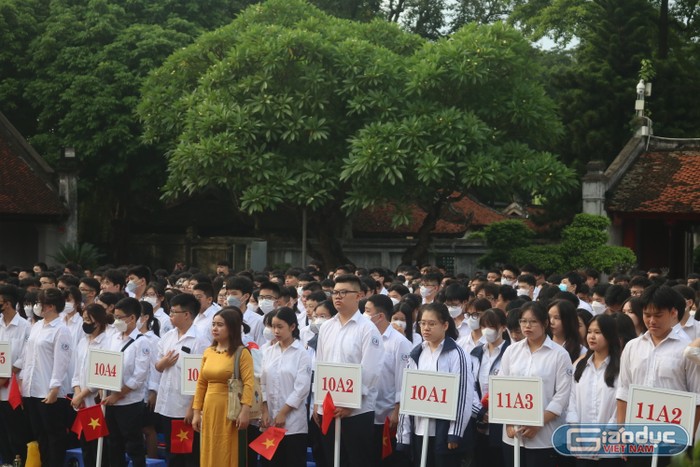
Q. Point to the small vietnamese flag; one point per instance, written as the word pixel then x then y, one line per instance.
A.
pixel 92 422
pixel 485 401
pixel 328 411
pixel 181 437
pixel 267 443
pixel 15 395
pixel 386 439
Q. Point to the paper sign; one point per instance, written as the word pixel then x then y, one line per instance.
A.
pixel 105 369
pixel 652 405
pixel 191 365
pixel 516 400
pixel 430 394
pixel 5 360
pixel 342 380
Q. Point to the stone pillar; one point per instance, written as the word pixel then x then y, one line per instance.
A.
pixel 594 188
pixel 68 192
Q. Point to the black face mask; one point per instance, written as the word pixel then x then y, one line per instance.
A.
pixel 89 328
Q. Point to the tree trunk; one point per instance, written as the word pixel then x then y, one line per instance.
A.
pixel 418 252
pixel 663 29
pixel 327 226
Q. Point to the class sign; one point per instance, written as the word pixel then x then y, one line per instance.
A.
pixel 430 394
pixel 516 400
pixel 5 360
pixel 105 369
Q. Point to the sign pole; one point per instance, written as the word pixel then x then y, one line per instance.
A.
pixel 516 447
pixel 424 448
pixel 655 457
pixel 336 451
pixel 100 442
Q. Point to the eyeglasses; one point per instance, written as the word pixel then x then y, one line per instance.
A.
pixel 122 317
pixel 476 314
pixel 173 312
pixel 342 293
pixel 428 324
pixel 528 322
pixel 510 278
pixel 267 297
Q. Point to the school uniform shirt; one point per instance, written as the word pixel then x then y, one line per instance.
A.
pixel 661 366
pixel 255 322
pixel 80 371
pixel 16 333
pixel 286 379
pixel 467 341
pixel 551 363
pixel 396 353
pixel 356 341
pixel 691 328
pixel 170 402
pixel 203 320
pixel 153 374
pixel 164 321
pixel 592 400
pixel 489 364
pixel 137 359
pixel 74 324
pixel 45 360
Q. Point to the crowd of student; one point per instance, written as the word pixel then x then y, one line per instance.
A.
pixel 586 340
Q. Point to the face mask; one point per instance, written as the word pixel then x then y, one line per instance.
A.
pixel 152 300
pixel 425 290
pixel 69 308
pixel 490 334
pixel 508 282
pixel 266 305
pixel 131 286
pixel 250 307
pixel 232 300
pixel 300 291
pixel 473 323
pixel 120 325
pixel 522 291
pixel 328 293
pixel 394 301
pixel 455 311
pixel 28 310
pixel 399 324
pixel 143 325
pixel 37 310
pixel 598 307
pixel 268 334
pixel 89 328
pixel 562 287
pixel 316 325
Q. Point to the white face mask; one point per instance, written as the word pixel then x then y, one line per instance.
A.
pixel 28 310
pixel 152 300
pixel 143 325
pixel 490 334
pixel 131 286
pixel 523 291
pixel 316 324
pixel 455 311
pixel 509 282
pixel 268 334
pixel 401 325
pixel 120 325
pixel 69 308
pixel 473 323
pixel 249 306
pixel 598 307
pixel 37 310
pixel 232 300
pixel 300 291
pixel 394 301
pixel 266 306
pixel 426 290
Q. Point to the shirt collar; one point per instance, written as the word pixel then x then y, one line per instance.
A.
pixel 425 346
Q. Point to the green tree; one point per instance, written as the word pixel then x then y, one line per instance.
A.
pixel 502 238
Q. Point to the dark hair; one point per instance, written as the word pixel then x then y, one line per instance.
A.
pixel 508 293
pixel 271 286
pixel 10 294
pixel 443 315
pixel 383 304
pixel 91 283
pixel 313 287
pixel 77 297
pixel 399 288
pixel 513 318
pixel 407 310
pixel 328 305
pixel 574 279
pixel 585 316
pixel 187 302
pixel 52 296
pixel 349 279
pixel 608 327
pixel 493 317
pixel 538 311
pixel 233 319
pixel 115 276
pixel 99 315
pixel 152 324
pixel 663 297
pixel 480 304
pixel 240 283
pixel 529 279
pixel 616 295
pixel 288 315
pixel 625 328
pixel 141 271
pixel 130 306
pixel 109 298
pixel 569 321
pixel 206 288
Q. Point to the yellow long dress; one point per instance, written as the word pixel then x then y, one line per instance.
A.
pixel 219 435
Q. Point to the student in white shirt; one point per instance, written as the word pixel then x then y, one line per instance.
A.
pixel 239 290
pixel 402 320
pixel 286 382
pixel 125 409
pixel 15 330
pixel 149 326
pixel 44 381
pixel 204 293
pixel 475 309
pixel 593 390
pixel 396 353
pixel 95 322
pixel 655 359
pixel 155 295
pixel 563 324
pixel 538 355
pixel 449 441
pixel 351 338
pixel 184 339
pixel 456 300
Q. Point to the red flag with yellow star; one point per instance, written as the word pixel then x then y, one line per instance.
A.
pixel 386 439
pixel 91 421
pixel 181 437
pixel 266 444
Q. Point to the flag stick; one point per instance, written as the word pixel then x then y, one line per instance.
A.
pixel 336 452
pixel 100 441
pixel 426 437
pixel 516 447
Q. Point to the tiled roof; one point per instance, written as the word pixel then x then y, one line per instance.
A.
pixel 660 182
pixel 25 190
pixel 456 219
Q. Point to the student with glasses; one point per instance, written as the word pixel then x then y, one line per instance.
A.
pixel 537 355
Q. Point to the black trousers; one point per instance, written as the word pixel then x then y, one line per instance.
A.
pixel 50 428
pixel 356 437
pixel 290 453
pixel 179 460
pixel 125 424
pixel 15 432
pixel 434 459
pixel 315 441
pixel 603 462
pixel 531 457
pixel 486 455
pixel 396 459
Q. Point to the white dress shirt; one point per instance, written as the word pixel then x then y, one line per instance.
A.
pixel 203 320
pixel 16 333
pixel 396 354
pixel 170 402
pixel 661 366
pixel 592 400
pixel 467 341
pixel 80 371
pixel 356 341
pixel 286 379
pixel 255 322
pixel 74 324
pixel 692 328
pixel 153 374
pixel 164 320
pixel 137 360
pixel 551 363
pixel 46 358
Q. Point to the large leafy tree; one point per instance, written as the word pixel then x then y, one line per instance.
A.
pixel 290 107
